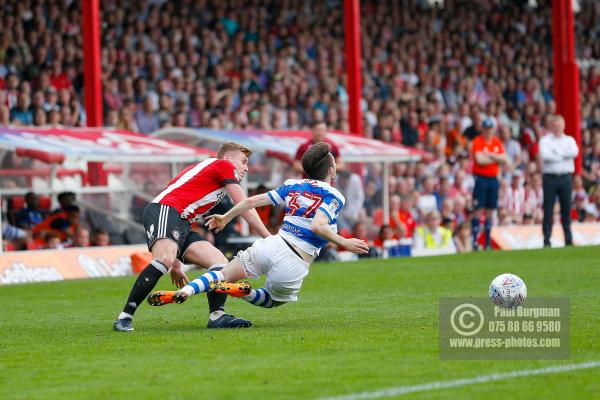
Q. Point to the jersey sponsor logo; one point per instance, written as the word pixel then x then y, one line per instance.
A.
pixel 175 235
pixel 291 229
pixel 333 206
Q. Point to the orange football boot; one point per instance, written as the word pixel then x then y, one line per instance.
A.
pixel 162 297
pixel 234 289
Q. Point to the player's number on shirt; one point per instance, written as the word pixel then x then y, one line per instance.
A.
pixel 294 206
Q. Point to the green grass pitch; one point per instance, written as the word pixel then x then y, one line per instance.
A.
pixel 358 327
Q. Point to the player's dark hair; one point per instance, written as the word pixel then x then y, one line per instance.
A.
pixel 317 160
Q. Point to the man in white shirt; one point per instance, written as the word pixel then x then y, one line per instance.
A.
pixel 557 151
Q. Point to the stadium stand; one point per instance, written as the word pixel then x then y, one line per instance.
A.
pixel 430 77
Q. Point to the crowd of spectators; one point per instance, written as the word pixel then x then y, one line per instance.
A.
pixel 430 78
pixel 33 225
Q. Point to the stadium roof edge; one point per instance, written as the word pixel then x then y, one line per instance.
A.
pixel 353 148
pixel 100 145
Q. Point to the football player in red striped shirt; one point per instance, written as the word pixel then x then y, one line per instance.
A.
pixel 170 238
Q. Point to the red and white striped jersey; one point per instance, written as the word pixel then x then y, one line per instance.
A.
pixel 198 187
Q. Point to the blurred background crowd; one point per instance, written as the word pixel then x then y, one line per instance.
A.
pixel 430 79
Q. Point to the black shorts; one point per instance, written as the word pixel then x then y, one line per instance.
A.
pixel 164 222
pixel 485 193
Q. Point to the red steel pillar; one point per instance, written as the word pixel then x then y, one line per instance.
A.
pixel 566 72
pixel 92 79
pixel 353 62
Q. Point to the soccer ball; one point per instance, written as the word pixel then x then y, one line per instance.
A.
pixel 508 290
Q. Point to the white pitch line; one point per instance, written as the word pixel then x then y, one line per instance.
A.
pixel 401 390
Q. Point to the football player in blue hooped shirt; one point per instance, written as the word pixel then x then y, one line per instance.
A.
pixel 311 209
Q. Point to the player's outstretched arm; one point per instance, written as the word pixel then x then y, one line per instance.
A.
pixel 251 216
pixel 218 222
pixel 320 226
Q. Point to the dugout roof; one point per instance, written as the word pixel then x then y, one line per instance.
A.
pixel 99 145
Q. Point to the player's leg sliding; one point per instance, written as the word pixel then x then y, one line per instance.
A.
pixel 261 298
pixel 144 283
pixel 197 286
pixel 258 297
pixel 234 289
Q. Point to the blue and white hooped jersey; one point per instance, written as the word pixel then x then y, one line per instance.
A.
pixel 303 197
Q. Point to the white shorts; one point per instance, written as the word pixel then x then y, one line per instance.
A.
pixel 283 269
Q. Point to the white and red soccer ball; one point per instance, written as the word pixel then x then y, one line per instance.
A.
pixel 508 290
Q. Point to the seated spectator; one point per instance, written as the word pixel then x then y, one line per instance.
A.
pixel 516 203
pixel 427 201
pixel 52 241
pixel 146 117
pixel 373 198
pixel 432 238
pixel 65 200
pixel 63 223
pixel 406 215
pixel 528 219
pixel 31 215
pixel 100 237
pixel 402 220
pixel 395 222
pixel 443 191
pixel 591 163
pixel 512 147
pixel 460 209
pixel 448 217
pixel 578 188
pixel 409 127
pixel 81 237
pixel 581 208
pixel 360 232
pixel 385 233
pixel 475 129
pixel 21 114
pixel 459 187
pixel 462 238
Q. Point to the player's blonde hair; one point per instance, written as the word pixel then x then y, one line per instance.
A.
pixel 231 146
